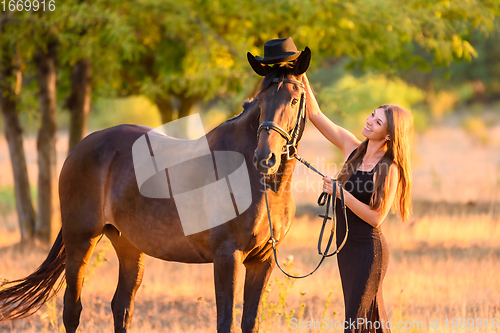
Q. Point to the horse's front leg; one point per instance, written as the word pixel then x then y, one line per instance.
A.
pixel 226 263
pixel 256 278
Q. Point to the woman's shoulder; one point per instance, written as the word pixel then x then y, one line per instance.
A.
pixel 393 168
pixel 352 153
pixel 392 173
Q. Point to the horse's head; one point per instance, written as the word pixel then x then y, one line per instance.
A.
pixel 281 97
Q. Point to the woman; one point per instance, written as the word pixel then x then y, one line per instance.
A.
pixel 376 176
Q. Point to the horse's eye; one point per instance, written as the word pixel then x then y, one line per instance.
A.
pixel 294 101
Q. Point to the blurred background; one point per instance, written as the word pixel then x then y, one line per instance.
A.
pixel 70 68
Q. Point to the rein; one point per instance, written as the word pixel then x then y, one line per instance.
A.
pixel 292 141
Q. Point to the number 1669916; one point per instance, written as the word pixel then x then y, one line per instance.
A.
pixel 28 5
pixel 471 323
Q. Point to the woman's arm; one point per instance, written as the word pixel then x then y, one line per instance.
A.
pixel 364 211
pixel 339 136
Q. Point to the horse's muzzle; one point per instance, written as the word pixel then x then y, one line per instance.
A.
pixel 265 163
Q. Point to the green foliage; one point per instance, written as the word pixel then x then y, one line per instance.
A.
pixel 129 110
pixel 475 80
pixel 421 119
pixel 8 203
pixel 350 100
pixel 464 91
pixel 441 102
pixel 275 297
pixel 187 49
pixel 98 259
pixel 273 310
pixel 476 128
pixel 327 303
pixel 197 48
pixel 99 30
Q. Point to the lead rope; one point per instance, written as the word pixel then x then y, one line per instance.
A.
pixel 323 198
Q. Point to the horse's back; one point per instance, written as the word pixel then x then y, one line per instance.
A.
pixel 90 159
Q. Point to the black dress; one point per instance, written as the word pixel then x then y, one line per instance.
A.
pixel 362 262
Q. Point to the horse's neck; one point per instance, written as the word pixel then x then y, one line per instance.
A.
pixel 239 134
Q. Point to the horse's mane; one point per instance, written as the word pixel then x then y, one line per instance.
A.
pixel 246 105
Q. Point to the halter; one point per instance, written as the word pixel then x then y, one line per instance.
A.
pixel 292 138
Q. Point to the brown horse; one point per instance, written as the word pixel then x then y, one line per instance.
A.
pixel 99 195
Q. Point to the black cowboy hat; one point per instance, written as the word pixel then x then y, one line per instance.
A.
pixel 279 50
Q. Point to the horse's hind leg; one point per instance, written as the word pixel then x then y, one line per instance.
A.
pixel 130 277
pixel 78 252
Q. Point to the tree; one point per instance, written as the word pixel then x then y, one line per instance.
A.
pixel 477 80
pixel 96 34
pixel 50 42
pixel 10 83
pixel 181 52
pixel 195 49
pixel 182 59
pixel 78 101
pixel 48 221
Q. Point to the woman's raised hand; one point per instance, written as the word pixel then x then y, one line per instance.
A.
pixel 306 80
pixel 310 94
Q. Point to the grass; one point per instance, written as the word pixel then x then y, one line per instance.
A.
pixel 441 266
pixel 444 262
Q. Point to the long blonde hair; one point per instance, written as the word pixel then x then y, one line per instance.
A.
pixel 400 129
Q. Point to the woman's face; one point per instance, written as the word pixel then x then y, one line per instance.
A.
pixel 376 126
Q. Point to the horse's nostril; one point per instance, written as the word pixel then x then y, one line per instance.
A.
pixel 264 164
pixel 271 161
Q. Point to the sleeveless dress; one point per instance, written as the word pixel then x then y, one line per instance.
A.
pixel 362 262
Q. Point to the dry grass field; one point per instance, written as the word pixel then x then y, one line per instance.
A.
pixel 445 261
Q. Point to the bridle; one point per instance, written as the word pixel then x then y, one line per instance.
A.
pixel 291 143
pixel 292 138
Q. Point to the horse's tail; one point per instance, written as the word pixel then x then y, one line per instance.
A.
pixel 23 297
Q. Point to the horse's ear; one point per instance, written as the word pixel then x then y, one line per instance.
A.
pixel 303 61
pixel 258 68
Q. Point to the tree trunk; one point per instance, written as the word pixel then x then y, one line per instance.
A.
pixel 48 222
pixel 78 101
pixel 185 105
pixel 166 110
pixel 14 136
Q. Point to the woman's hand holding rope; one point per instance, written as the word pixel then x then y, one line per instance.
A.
pixel 328 187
